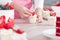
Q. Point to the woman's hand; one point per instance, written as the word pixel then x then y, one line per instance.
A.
pixel 23 12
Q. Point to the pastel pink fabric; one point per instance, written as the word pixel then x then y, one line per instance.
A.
pixel 26 3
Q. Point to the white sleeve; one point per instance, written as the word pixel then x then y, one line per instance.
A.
pixel 39 3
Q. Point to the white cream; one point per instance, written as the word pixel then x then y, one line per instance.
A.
pixel 5 34
pixel 52 20
pixel 7 14
pixel 16 36
pixel 32 19
pixel 10 35
pixel 46 14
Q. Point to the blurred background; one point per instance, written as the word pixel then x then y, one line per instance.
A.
pixel 48 3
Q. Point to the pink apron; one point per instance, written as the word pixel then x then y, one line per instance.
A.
pixel 26 3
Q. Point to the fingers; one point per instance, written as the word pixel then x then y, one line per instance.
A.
pixel 23 16
pixel 25 13
pixel 28 12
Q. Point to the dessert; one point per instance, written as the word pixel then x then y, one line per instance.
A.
pixel 36 16
pixel 7 28
pixel 52 13
pixel 11 35
pixel 33 18
pixel 58 26
pixel 56 8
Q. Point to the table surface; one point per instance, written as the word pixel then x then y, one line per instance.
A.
pixel 34 31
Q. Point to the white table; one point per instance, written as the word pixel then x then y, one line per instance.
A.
pixel 34 31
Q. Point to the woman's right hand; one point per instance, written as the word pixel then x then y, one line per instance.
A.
pixel 23 12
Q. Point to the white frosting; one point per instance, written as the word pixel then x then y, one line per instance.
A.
pixel 32 19
pixel 16 37
pixel 10 35
pixel 7 14
pixel 52 20
pixel 6 32
pixel 46 14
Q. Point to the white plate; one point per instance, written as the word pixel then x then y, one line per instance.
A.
pixel 51 33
